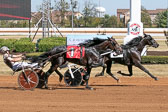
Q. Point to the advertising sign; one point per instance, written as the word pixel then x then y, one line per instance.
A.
pixel 15 9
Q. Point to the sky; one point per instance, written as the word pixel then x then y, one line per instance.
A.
pixel 111 6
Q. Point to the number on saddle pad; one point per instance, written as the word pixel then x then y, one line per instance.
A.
pixel 75 52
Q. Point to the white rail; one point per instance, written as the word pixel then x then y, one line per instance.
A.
pixel 81 31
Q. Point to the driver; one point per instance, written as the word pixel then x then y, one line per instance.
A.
pixel 12 61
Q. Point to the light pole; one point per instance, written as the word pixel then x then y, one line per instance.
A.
pixel 73 6
pixel 167 15
pixel 99 7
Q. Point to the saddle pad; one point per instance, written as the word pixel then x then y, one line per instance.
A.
pixel 75 52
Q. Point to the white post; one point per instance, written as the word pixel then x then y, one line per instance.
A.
pixel 135 26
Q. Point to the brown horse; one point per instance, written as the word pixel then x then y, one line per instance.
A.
pixel 92 57
pixel 132 56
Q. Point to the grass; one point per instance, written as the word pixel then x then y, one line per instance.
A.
pixel 156 69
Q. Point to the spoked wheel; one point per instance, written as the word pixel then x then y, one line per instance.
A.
pixel 76 81
pixel 83 72
pixel 28 80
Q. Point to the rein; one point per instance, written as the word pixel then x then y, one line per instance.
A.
pixel 145 51
pixel 48 58
pixel 106 53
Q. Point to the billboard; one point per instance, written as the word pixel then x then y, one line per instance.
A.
pixel 15 9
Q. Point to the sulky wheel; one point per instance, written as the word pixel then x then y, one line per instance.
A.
pixel 28 80
pixel 83 72
pixel 76 81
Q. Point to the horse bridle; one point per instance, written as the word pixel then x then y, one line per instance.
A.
pixel 114 44
pixel 149 39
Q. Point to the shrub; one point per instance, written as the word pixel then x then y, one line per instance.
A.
pixel 46 44
pixel 155 59
pixel 8 42
pixel 21 45
pixel 24 45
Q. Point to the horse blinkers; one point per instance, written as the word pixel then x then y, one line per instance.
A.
pixel 151 41
pixel 117 48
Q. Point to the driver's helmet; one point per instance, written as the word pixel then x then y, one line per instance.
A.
pixel 4 49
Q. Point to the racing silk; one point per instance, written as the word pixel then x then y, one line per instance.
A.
pixel 15 66
pixel 7 59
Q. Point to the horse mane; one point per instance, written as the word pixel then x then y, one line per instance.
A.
pixel 134 42
pixel 90 43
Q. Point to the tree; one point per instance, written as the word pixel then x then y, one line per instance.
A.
pixel 63 7
pixel 109 21
pixel 145 18
pixel 89 11
pixel 161 19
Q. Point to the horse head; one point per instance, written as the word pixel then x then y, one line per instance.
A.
pixel 150 41
pixel 115 46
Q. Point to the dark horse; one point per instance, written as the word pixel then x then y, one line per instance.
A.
pixel 92 57
pixel 132 55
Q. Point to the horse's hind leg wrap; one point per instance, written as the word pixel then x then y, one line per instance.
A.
pixel 60 75
pixel 46 76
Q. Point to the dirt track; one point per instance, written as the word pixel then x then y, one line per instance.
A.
pixel 135 94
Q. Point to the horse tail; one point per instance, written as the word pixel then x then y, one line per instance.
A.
pixel 52 54
pixel 42 57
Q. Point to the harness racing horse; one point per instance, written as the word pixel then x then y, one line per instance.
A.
pixel 92 57
pixel 132 55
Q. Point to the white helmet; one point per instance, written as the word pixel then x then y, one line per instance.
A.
pixel 4 49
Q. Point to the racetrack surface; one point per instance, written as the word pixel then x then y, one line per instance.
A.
pixel 132 94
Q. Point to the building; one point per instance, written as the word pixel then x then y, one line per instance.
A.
pixel 56 15
pixel 125 14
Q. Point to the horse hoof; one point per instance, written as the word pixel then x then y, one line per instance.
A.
pixel 89 88
pixel 98 75
pixel 60 79
pixel 156 79
pixel 45 87
pixel 119 72
pixel 118 81
pixel 50 88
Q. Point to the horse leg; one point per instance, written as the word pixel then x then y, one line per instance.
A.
pixel 102 73
pixel 96 61
pixel 60 62
pixel 108 63
pixel 46 76
pixel 129 69
pixel 87 79
pixel 139 65
pixel 108 71
pixel 54 65
pixel 60 75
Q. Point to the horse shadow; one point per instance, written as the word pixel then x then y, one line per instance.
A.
pixel 82 87
pixel 113 85
pixel 64 87
pixel 10 88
